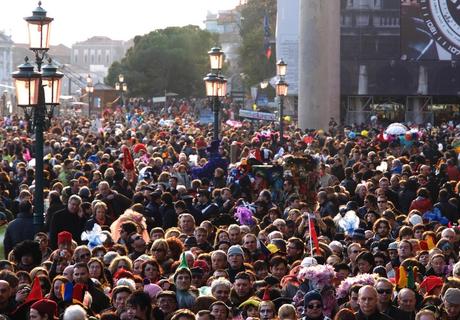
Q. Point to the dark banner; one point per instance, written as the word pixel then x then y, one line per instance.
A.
pixel 400 47
pixel 430 30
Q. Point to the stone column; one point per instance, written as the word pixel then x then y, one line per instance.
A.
pixel 362 91
pixel 319 63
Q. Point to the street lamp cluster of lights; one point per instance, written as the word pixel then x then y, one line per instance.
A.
pixel 281 92
pixel 38 92
pixel 121 87
pixel 216 85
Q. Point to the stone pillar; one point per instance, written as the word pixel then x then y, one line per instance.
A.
pixel 422 89
pixel 362 91
pixel 319 63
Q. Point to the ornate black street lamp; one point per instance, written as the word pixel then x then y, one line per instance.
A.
pixel 38 93
pixel 121 87
pixel 281 92
pixel 216 85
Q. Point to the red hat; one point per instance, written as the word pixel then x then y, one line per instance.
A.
pixel 64 236
pixel 46 306
pixel 123 273
pixel 201 264
pixel 430 283
pixel 138 147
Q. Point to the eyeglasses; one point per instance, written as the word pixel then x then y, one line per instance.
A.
pixel 314 306
pixel 386 291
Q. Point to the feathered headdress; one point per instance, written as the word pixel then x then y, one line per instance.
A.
pixel 345 285
pixel 319 276
pixel 244 216
pixel 349 222
pixel 95 237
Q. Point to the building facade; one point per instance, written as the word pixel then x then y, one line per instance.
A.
pixel 97 53
pixel 6 62
pixel 399 59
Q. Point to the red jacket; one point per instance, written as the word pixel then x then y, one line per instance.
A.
pixel 421 204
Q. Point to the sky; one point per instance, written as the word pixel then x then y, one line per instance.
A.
pixel 117 19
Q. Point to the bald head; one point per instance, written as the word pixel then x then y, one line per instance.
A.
pixel 367 300
pixel 407 300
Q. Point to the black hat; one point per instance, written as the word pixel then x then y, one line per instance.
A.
pixel 310 296
pixel 358 234
pixel 271 280
pixel 197 271
pixel 190 241
pixel 28 247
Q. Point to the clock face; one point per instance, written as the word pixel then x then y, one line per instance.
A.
pixel 442 18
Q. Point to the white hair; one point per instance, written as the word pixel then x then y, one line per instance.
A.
pixel 127 282
pixel 74 312
pixel 221 282
pixel 456 271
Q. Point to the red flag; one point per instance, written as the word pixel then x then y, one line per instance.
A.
pixel 128 163
pixel 268 52
pixel 313 235
pixel 36 291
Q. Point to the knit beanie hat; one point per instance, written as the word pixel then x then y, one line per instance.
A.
pixel 311 296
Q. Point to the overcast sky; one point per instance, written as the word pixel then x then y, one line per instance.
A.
pixel 118 19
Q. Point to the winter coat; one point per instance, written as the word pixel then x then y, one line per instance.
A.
pixel 20 229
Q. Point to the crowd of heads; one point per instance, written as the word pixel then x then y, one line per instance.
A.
pixel 152 219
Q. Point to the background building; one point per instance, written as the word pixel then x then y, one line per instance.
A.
pixel 398 60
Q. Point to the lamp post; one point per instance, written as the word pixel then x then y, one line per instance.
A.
pixel 281 91
pixel 38 93
pixel 122 87
pixel 4 102
pixel 216 85
pixel 89 91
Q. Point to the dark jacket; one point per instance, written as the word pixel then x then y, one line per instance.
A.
pixel 20 229
pixel 65 221
pixel 375 316
pixel 395 313
pixel 208 210
pixel 168 216
pixel 116 204
pixel 448 210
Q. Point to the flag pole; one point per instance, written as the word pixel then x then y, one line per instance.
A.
pixel 309 233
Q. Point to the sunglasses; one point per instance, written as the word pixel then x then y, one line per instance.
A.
pixel 386 291
pixel 314 306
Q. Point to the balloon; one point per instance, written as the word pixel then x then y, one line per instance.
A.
pixel 408 136
pixel 364 133
pixel 352 135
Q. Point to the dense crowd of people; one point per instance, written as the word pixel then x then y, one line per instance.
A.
pixel 148 218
